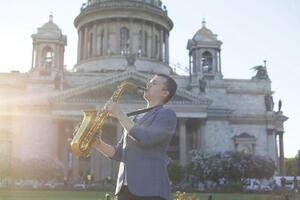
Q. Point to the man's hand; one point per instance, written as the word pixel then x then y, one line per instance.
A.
pixel 101 146
pixel 113 108
pixel 98 141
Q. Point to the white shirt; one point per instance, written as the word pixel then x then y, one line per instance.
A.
pixel 122 164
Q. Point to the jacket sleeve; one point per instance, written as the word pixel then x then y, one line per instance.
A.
pixel 162 127
pixel 118 150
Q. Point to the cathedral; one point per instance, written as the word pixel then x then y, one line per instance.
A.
pixel 128 40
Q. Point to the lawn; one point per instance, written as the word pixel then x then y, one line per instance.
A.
pixel 83 195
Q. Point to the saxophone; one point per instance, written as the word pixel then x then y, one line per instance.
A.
pixel 93 122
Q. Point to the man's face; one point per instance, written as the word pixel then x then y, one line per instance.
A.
pixel 156 89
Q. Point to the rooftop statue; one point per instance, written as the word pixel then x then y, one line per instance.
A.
pixel 261 72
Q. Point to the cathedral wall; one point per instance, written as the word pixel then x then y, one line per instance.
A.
pixel 218 97
pixel 35 137
pixel 218 136
pixel 259 132
pixel 246 104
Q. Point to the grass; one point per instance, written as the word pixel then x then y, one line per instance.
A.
pixel 89 195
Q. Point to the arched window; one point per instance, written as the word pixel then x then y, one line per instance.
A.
pixel 206 62
pixel 124 39
pixel 48 57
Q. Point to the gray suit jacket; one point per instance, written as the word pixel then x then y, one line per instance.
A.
pixel 144 155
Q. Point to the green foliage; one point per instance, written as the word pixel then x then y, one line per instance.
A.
pixel 36 169
pixel 176 172
pixel 290 166
pixel 233 166
pixel 298 163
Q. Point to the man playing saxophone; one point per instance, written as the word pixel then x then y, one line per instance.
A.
pixel 142 149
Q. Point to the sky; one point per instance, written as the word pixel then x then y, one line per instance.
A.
pixel 251 31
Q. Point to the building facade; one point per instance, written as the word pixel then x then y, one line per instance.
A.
pixel 128 40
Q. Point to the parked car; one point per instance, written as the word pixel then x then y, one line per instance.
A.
pixel 289 182
pixel 252 184
pixel 81 186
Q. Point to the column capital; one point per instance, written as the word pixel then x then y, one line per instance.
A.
pixel 270 131
pixel 280 133
pixel 182 120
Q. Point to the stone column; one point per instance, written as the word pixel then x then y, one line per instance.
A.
pixel 118 33
pixel 95 164
pixel 32 57
pixel 65 152
pixel 182 142
pixel 215 62
pixel 38 59
pixel 75 168
pixel 79 45
pixel 190 64
pixel 85 43
pixel 95 44
pixel 281 154
pixel 152 41
pixel 56 57
pixel 105 39
pixel 161 43
pixel 201 135
pixel 167 47
pixel 131 37
pixel 143 39
pixel 219 63
pixel 271 144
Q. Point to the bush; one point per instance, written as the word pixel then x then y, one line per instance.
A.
pixel 233 166
pixel 176 172
pixel 36 169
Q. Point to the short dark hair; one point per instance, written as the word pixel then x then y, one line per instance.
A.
pixel 170 85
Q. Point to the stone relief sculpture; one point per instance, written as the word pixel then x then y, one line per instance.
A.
pixel 269 103
pixel 131 58
pixel 279 105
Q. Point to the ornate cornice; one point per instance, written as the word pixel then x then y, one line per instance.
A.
pixel 119 77
pixel 122 9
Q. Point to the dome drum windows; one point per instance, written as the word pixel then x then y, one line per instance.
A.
pixel 124 40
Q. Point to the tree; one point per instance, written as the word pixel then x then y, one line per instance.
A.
pixel 298 163
pixel 290 166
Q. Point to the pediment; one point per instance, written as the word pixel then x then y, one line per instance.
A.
pixel 102 90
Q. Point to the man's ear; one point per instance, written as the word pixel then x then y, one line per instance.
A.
pixel 165 93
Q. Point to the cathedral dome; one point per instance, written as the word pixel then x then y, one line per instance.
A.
pixel 49 30
pixel 156 3
pixel 204 37
pixel 110 31
pixel 205 34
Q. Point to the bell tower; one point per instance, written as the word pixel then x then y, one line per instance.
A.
pixel 48 50
pixel 205 56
